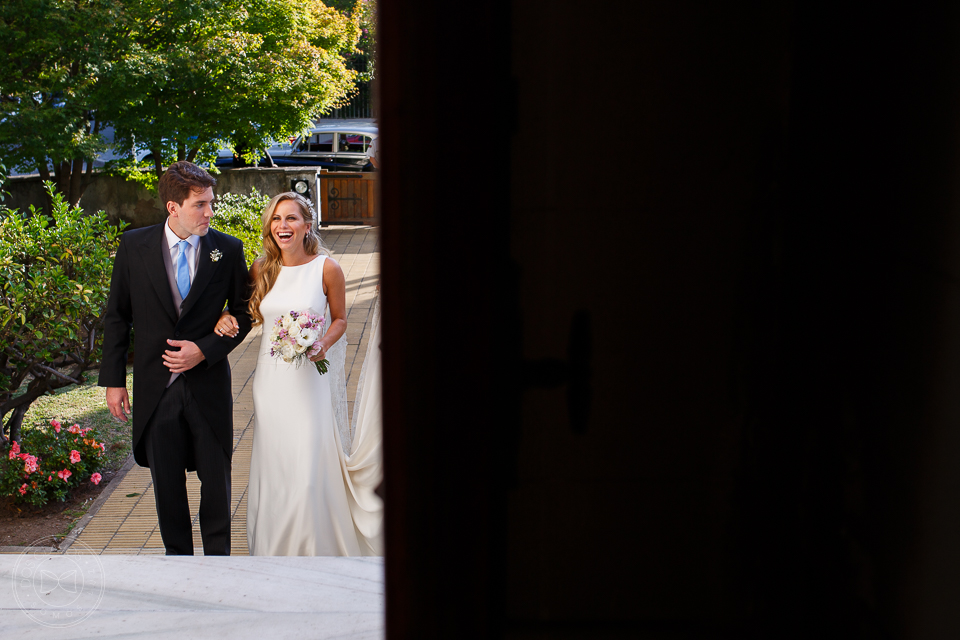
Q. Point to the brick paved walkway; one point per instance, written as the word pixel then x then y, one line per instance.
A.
pixel 126 523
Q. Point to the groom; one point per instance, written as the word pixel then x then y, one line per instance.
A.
pixel 170 283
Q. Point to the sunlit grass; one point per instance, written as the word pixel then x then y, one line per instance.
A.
pixel 87 406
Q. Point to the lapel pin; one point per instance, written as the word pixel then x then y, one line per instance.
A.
pixel 215 255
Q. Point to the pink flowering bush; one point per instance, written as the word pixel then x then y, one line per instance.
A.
pixel 48 462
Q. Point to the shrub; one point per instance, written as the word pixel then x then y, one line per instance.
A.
pixel 49 462
pixel 55 277
pixel 240 216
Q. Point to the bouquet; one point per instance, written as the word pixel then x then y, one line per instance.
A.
pixel 295 337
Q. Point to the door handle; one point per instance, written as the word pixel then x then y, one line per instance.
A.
pixel 575 372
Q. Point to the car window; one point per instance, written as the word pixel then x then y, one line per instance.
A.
pixel 318 142
pixel 354 143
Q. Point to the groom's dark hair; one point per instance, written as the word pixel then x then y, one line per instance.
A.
pixel 180 179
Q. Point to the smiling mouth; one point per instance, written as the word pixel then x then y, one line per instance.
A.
pixel 284 236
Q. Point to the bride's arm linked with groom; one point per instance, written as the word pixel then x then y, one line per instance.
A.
pixel 170 283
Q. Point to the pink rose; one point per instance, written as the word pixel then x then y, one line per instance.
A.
pixel 30 464
pixel 74 457
pixel 74 429
pixel 96 478
pixel 64 474
pixel 23 488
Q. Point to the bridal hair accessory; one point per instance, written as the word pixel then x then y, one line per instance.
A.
pixel 295 337
pixel 215 255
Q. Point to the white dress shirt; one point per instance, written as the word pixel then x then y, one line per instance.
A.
pixel 192 251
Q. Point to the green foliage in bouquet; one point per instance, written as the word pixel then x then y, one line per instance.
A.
pixel 48 462
pixel 55 278
pixel 240 216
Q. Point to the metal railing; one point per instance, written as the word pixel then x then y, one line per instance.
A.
pixel 360 106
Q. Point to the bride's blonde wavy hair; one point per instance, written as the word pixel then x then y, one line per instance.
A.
pixel 269 262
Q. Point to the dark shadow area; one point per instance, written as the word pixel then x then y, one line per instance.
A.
pixel 748 213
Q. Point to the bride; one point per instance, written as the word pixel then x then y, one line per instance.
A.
pixel 310 492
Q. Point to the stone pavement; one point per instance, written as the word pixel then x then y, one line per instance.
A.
pixel 175 597
pixel 124 521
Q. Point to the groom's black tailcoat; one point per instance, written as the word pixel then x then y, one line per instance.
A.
pixel 140 297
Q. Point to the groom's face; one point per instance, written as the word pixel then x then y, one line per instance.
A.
pixel 192 218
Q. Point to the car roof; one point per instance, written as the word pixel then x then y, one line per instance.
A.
pixel 347 126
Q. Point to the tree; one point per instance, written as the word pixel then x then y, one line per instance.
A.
pixel 55 274
pixel 53 51
pixel 176 79
pixel 208 74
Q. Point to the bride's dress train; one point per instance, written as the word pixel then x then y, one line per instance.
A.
pixel 306 496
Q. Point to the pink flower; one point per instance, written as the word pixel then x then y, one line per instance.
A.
pixel 50 478
pixel 14 449
pixel 96 478
pixel 23 488
pixel 74 429
pixel 74 457
pixel 30 464
pixel 12 455
pixel 64 474
pixel 55 425
pixel 103 447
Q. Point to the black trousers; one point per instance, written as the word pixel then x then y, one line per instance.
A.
pixel 177 436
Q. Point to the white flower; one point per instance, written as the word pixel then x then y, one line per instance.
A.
pixel 307 337
pixel 215 255
pixel 303 320
pixel 286 320
pixel 287 352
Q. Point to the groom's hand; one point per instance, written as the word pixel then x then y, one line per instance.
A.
pixel 118 401
pixel 187 358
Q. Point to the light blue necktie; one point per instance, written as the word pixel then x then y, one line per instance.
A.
pixel 183 271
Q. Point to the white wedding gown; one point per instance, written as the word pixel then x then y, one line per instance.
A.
pixel 306 497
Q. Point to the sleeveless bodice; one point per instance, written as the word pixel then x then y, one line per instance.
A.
pixel 297 288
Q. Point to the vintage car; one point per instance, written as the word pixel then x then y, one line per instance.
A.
pixel 342 146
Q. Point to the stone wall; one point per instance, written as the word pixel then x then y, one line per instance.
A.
pixel 128 201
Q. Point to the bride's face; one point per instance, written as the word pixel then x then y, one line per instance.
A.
pixel 288 227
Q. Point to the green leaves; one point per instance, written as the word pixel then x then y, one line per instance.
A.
pixel 240 216
pixel 205 75
pixel 56 280
pixel 176 79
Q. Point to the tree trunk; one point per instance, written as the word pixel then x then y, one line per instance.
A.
pixel 16 419
pixel 43 169
pixel 192 154
pixel 157 162
pixel 63 179
pixel 181 153
pixel 76 182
